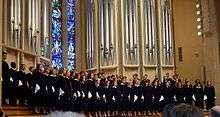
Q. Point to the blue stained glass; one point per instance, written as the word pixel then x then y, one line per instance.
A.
pixel 71 28
pixel 56 51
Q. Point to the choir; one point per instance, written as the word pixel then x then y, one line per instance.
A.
pixel 47 89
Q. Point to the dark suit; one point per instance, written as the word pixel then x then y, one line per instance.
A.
pixel 199 95
pixel 13 86
pixel 6 80
pixel 22 85
pixel 148 96
pixel 210 93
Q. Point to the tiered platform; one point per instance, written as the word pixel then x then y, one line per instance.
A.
pixel 19 111
pixel 22 111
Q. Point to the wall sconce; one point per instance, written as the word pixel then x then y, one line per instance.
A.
pixel 199 33
pixel 199 18
pixel 199 26
pixel 198 12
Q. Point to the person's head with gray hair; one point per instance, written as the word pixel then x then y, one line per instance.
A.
pixel 182 110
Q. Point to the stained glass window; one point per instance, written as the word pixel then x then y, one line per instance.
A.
pixel 56 34
pixel 71 27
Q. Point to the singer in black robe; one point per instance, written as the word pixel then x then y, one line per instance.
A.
pixel 188 93
pixel 22 85
pixel 148 96
pixel 199 94
pixel 5 77
pixel 209 91
pixel 179 92
pixel 13 86
pixel 168 94
pixel 156 90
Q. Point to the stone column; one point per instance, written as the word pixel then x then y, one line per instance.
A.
pixel 158 36
pixel 23 29
pixel 50 28
pixel 140 36
pixel 79 31
pixel 81 41
pixel 120 35
pixel 211 43
pixel 64 34
pixel 97 31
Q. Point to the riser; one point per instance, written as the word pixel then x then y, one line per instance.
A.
pixel 11 111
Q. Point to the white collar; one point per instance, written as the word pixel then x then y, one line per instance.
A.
pixel 14 69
